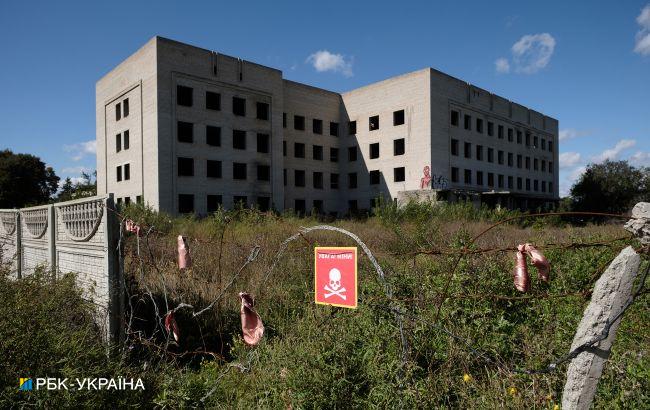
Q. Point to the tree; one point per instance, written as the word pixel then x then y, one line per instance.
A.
pixel 67 189
pixel 85 188
pixel 25 180
pixel 613 186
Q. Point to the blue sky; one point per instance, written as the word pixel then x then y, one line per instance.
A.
pixel 585 63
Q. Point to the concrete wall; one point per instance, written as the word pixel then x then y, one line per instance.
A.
pixel 76 236
pixel 134 79
pixel 203 70
pixel 313 104
pixel 450 94
pixel 409 92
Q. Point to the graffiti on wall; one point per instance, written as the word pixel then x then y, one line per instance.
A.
pixel 432 181
pixel 425 181
pixel 438 182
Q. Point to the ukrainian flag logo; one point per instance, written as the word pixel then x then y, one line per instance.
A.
pixel 25 383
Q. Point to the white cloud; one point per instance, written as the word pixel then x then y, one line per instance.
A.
pixel 570 159
pixel 571 167
pixel 529 55
pixel 640 158
pixel 577 172
pixel 573 164
pixel 644 18
pixel 612 154
pixel 532 52
pixel 323 60
pixel 642 43
pixel 510 20
pixel 81 149
pixel 565 189
pixel 569 179
pixel 77 180
pixel 570 133
pixel 502 65
pixel 75 170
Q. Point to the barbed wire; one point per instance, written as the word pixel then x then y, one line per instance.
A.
pixel 251 257
pixel 392 305
pixel 544 246
pixel 551 367
pixel 466 246
pixel 604 334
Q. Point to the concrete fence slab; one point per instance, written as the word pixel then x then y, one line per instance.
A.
pixel 10 239
pixel 77 237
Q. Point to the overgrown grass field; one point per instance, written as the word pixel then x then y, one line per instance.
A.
pixel 315 356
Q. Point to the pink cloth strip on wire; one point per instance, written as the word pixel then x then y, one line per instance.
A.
pixel 184 259
pixel 251 323
pixel 172 326
pixel 521 276
pixel 131 226
pixel 539 261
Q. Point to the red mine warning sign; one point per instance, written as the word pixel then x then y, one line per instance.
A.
pixel 335 276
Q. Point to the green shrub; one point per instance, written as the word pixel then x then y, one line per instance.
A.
pixel 315 356
pixel 47 330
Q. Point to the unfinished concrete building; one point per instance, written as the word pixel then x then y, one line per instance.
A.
pixel 186 129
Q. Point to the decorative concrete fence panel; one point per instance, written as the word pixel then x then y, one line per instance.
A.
pixel 86 244
pixel 77 237
pixel 9 239
pixel 36 238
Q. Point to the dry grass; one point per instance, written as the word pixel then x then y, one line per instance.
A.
pixel 316 356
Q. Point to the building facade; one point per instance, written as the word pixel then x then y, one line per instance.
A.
pixel 186 129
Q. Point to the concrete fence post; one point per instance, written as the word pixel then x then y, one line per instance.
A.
pixel 611 294
pixel 19 247
pixel 51 239
pixel 114 273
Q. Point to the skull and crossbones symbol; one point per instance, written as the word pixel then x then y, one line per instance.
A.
pixel 334 285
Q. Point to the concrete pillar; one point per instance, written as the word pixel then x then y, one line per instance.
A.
pixel 114 268
pixel 612 292
pixel 51 238
pixel 19 246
